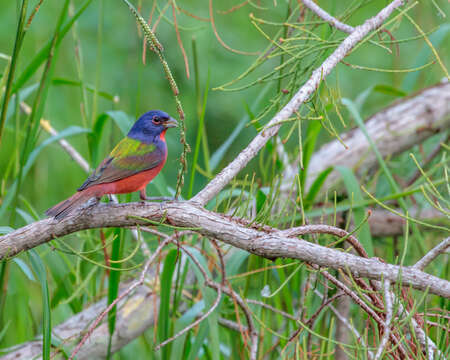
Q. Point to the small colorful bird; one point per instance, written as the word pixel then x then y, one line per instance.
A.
pixel 132 164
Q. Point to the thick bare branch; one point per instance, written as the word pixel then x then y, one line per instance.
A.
pixel 271 129
pixel 269 243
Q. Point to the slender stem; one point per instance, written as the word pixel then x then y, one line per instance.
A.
pixel 20 33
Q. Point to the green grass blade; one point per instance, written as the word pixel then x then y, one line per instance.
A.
pixel 41 274
pixel 4 267
pixel 164 305
pixel 95 137
pixel 210 297
pixel 68 82
pixel 352 186
pixel 122 120
pixel 113 283
pixel 23 95
pixel 436 39
pixel 188 317
pixel 393 184
pixel 73 130
pixel 41 56
pixel 309 146
pixel 199 341
pixel 218 155
pixel 198 139
pixel 25 269
pixel 316 185
pixel 17 46
pixel 32 125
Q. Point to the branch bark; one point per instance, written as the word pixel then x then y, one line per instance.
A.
pixel 270 243
pixel 311 5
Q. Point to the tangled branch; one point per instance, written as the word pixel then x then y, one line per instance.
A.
pixel 271 243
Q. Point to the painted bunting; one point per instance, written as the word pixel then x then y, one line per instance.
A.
pixel 132 164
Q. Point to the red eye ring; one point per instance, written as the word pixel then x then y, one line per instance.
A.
pixel 156 120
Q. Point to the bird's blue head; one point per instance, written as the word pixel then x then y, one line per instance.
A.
pixel 151 125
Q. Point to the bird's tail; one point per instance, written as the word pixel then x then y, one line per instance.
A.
pixel 64 208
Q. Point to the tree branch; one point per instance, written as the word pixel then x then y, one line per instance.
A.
pixel 433 254
pixel 303 94
pixel 270 243
pixel 311 5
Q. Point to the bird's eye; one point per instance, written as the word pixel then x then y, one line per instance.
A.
pixel 156 120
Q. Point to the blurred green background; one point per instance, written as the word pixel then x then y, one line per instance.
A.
pixel 103 51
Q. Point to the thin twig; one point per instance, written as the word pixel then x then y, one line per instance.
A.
pixel 177 31
pixel 251 327
pixel 327 229
pixel 303 94
pixel 233 325
pixel 219 39
pixel 271 308
pixel 347 324
pixel 227 290
pixel 194 324
pixel 430 157
pixel 363 305
pixel 310 322
pixel 387 323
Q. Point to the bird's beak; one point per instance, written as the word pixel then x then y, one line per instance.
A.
pixel 171 123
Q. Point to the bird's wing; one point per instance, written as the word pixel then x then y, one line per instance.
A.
pixel 128 158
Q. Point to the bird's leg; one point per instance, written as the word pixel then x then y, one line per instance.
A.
pixel 145 198
pixel 142 195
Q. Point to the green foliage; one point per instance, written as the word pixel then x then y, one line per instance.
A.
pixel 164 307
pixel 79 65
pixel 41 274
pixel 114 280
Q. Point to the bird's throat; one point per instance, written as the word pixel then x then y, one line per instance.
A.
pixel 162 136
